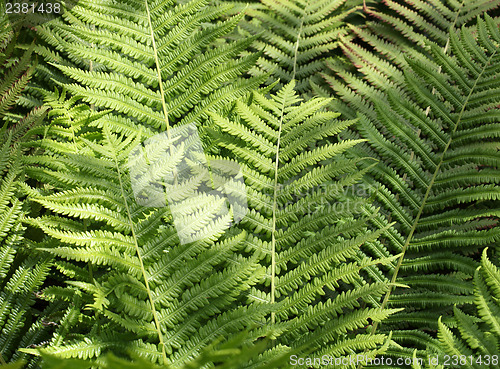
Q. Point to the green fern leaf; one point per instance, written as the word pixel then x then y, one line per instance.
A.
pixel 440 187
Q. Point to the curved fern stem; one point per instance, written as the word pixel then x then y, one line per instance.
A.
pixel 160 80
pixel 141 262
pixel 275 189
pixel 296 50
pixel 427 193
pixel 158 68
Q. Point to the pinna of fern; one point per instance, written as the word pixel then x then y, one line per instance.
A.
pixel 437 141
pixel 149 295
pixel 232 354
pixel 16 67
pixel 472 337
pixel 477 335
pixel 393 31
pixel 22 269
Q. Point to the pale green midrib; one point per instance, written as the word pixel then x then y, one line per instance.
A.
pixel 427 110
pixel 275 201
pixel 158 68
pixel 275 185
pixel 427 193
pixel 160 83
pixel 398 266
pixel 143 270
pixel 296 50
pixel 297 43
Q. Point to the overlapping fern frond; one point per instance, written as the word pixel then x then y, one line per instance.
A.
pixel 163 247
pixel 476 337
pixel 231 355
pixel 471 339
pixel 16 68
pixel 437 141
pixel 309 232
pixel 22 271
pixel 297 36
pixel 152 62
pixel 398 24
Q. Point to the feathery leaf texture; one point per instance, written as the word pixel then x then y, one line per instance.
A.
pixel 232 354
pixel 394 31
pixel 174 215
pixel 477 335
pixel 175 298
pixel 471 339
pixel 309 236
pixel 155 297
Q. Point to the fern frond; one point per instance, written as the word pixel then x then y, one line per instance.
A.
pixel 144 282
pixel 477 338
pixel 440 188
pixel 296 36
pixel 22 270
pixel 177 278
pixel 152 64
pixel 311 260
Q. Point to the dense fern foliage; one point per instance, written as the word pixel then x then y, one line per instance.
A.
pixel 287 183
pixel 148 293
pixel 21 273
pixel 155 297
pixel 232 354
pixel 394 31
pixel 470 340
pixel 435 133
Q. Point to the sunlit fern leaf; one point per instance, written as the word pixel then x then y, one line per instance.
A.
pixel 206 289
pixel 236 353
pixel 16 68
pixel 310 237
pixel 151 62
pixel 296 36
pixel 435 133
